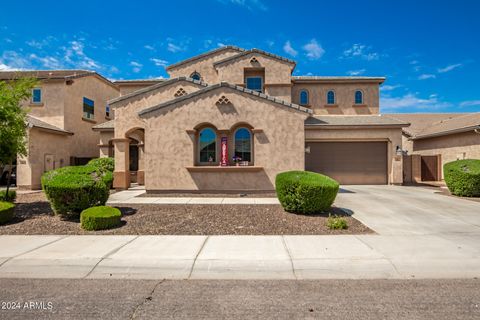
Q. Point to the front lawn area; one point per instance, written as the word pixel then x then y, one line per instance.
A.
pixel 34 216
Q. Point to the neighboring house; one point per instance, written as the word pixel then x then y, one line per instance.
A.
pixel 64 107
pixel 434 139
pixel 231 119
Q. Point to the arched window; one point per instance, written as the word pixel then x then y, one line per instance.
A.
pixel 243 145
pixel 304 97
pixel 358 97
pixel 195 76
pixel 331 97
pixel 207 146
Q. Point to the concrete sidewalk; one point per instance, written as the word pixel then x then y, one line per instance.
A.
pixel 240 257
pixel 132 197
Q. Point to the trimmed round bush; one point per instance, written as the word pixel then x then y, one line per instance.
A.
pixel 12 195
pixel 6 211
pixel 104 164
pixel 100 218
pixel 463 177
pixel 71 190
pixel 305 192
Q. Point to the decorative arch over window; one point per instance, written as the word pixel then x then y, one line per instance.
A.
pixel 196 76
pixel 207 146
pixel 331 97
pixel 304 97
pixel 242 138
pixel 358 97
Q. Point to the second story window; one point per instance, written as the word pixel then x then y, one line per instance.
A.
pixel 36 95
pixel 88 108
pixel 196 76
pixel 358 97
pixel 107 111
pixel 304 97
pixel 254 83
pixel 331 97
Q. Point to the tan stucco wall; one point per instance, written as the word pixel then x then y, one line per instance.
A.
pixel 452 147
pixel 104 145
pixel 51 110
pixel 204 66
pixel 84 142
pixel 345 97
pixel 169 149
pixel 392 136
pixel 40 144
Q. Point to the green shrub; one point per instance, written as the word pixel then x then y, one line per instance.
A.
pixel 71 190
pixel 336 222
pixel 305 192
pixel 6 211
pixel 12 195
pixel 463 177
pixel 104 164
pixel 99 218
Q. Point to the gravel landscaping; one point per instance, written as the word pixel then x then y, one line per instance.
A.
pixel 34 216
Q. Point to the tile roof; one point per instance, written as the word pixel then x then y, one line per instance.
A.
pixel 251 51
pixel 37 123
pixel 139 81
pixel 420 121
pixel 353 120
pixel 463 123
pixel 153 87
pixel 105 126
pixel 43 74
pixel 233 87
pixel 335 78
pixel 204 55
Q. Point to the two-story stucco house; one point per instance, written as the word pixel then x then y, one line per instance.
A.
pixel 231 119
pixel 64 107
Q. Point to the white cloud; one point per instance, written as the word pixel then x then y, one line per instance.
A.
pixel 412 102
pixel 470 103
pixel 159 62
pixel 426 76
pixel 75 56
pixel 314 50
pixel 389 87
pixel 4 67
pixel 248 4
pixel 174 48
pixel 137 67
pixel 287 47
pixel 356 72
pixel 149 47
pixel 361 51
pixel 40 44
pixel 414 62
pixel 47 62
pixel 449 68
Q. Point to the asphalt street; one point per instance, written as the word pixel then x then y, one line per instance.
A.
pixel 236 299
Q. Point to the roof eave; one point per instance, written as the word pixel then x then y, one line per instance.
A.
pixel 445 133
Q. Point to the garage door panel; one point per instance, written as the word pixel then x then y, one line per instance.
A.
pixel 349 162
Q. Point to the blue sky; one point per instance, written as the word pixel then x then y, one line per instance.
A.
pixel 428 50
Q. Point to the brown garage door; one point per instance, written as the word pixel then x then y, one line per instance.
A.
pixel 349 162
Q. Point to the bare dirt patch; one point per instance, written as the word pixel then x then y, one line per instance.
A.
pixel 34 216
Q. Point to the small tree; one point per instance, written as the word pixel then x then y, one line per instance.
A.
pixel 13 121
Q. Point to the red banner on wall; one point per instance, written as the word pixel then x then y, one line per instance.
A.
pixel 224 152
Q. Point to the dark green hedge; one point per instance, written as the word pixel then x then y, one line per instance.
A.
pixel 12 195
pixel 6 211
pixel 71 190
pixel 463 177
pixel 305 192
pixel 99 218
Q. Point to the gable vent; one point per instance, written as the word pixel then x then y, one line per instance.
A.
pixel 180 92
pixel 223 100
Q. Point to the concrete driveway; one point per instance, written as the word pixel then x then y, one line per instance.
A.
pixel 400 210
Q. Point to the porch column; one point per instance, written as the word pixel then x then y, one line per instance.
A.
pixel 121 175
pixel 141 164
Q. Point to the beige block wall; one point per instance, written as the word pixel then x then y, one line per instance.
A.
pixel 392 136
pixel 204 66
pixel 452 147
pixel 40 144
pixel 51 110
pixel 276 72
pixel 169 149
pixel 84 142
pixel 345 97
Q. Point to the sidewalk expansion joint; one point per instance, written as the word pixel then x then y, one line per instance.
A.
pixel 109 254
pixel 196 256
pixel 31 250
